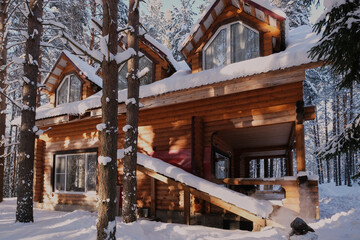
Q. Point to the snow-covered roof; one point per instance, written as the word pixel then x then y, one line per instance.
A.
pixel 301 40
pixel 177 65
pixel 83 67
pixel 207 19
pixel 260 208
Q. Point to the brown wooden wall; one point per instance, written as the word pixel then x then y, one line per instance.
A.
pixel 232 14
pixel 168 128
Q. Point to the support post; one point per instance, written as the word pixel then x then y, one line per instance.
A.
pixel 153 197
pixel 300 148
pixel 186 206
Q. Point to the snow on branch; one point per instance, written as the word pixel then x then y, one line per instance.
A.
pixel 96 24
pixel 122 57
pixel 349 139
pixel 19 105
pixel 81 50
pixel 143 73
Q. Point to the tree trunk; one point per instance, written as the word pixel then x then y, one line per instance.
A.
pixel 92 4
pixel 3 59
pixel 24 211
pixel 132 115
pixel 107 167
pixel 334 132
pixel 337 133
pixel 326 142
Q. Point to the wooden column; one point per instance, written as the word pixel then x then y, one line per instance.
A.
pixel 300 148
pixel 289 164
pixel 266 168
pixel 186 206
pixel 300 137
pixel 153 197
pixel 197 146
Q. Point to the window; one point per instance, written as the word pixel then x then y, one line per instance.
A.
pixel 232 43
pixel 75 172
pixel 143 63
pixel 69 90
pixel 222 165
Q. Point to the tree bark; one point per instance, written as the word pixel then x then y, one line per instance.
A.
pixel 3 59
pixel 326 142
pixel 24 211
pixel 107 171
pixel 92 4
pixel 132 115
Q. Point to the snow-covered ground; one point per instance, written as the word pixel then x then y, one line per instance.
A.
pixel 339 210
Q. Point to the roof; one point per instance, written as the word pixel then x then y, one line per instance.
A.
pixel 301 40
pixel 218 5
pixel 83 68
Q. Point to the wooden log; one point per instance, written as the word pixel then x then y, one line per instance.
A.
pixel 186 205
pixel 300 148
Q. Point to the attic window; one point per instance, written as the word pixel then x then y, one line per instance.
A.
pixel 143 63
pixel 231 43
pixel 69 90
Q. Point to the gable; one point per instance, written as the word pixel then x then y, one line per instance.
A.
pixel 268 20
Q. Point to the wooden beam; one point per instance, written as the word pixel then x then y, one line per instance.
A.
pixel 197 146
pixel 205 196
pixel 229 207
pixel 60 67
pixel 300 148
pixel 309 113
pixel 187 205
pixel 262 149
pixel 153 197
pixel 255 181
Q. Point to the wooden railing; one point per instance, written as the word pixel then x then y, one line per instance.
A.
pixel 258 222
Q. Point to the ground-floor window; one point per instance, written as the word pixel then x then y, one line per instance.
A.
pixel 221 162
pixel 75 172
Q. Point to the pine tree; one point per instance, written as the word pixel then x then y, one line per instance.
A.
pixel 297 12
pixel 132 118
pixel 24 211
pixel 338 47
pixel 181 22
pixel 154 20
pixel 107 168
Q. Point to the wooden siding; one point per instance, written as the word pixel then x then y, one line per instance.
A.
pixel 169 128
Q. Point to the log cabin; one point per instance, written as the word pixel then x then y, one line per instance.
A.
pixel 228 119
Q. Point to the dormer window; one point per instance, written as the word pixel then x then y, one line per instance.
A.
pixel 231 43
pixel 143 63
pixel 69 90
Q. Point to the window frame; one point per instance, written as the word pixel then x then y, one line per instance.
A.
pixel 152 66
pixel 214 151
pixel 72 153
pixel 228 42
pixel 67 77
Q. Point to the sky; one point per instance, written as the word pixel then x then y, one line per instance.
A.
pixel 168 4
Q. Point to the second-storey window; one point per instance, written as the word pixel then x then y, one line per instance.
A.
pixel 231 43
pixel 143 63
pixel 69 90
pixel 75 172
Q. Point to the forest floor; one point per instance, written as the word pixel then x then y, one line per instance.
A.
pixel 339 219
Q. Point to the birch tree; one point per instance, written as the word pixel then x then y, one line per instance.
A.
pixel 24 211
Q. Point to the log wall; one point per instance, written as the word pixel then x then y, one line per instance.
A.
pixel 167 131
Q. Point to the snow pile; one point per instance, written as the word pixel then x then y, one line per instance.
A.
pixel 339 212
pixel 258 207
pixel 301 40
